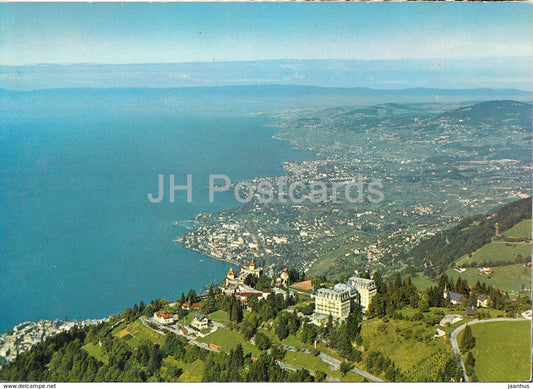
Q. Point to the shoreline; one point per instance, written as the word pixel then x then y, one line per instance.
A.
pixel 276 136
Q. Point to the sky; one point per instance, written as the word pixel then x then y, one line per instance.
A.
pixel 114 33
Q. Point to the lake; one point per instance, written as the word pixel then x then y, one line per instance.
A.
pixel 78 236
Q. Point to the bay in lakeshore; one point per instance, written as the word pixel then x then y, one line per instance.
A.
pixel 78 236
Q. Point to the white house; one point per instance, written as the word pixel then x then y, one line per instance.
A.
pixel 200 321
pixel 164 317
pixel 483 301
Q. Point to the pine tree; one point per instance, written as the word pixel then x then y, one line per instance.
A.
pixel 235 312
pixel 470 363
pixel 468 341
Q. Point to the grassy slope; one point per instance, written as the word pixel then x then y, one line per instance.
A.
pixel 96 352
pixel 417 358
pixel 503 351
pixel 192 372
pixel 511 278
pixel 188 318
pixel 135 333
pixel 219 316
pixel 228 339
pixel 422 282
pixel 520 230
pixel 497 251
pixel 327 262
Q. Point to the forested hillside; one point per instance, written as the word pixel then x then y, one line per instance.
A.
pixel 439 251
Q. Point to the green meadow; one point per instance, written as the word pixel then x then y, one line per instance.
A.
pixel 502 351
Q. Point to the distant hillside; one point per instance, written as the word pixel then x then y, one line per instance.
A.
pixel 271 97
pixel 385 110
pixel 439 251
pixel 491 113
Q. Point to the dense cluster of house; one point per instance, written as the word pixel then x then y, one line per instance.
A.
pixel 24 335
pixel 337 301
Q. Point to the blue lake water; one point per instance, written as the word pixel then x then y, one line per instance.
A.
pixel 78 236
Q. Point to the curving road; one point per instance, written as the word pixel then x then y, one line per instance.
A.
pixel 453 337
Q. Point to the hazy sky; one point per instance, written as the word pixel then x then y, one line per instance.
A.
pixel 184 32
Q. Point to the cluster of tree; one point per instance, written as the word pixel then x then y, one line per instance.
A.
pixel 377 363
pixel 317 282
pixel 307 309
pixel 486 263
pixel 451 371
pixel 180 350
pixel 465 238
pixel 236 366
pixel 191 296
pixel 133 313
pixel 513 213
pixel 222 367
pixel 295 276
pixel 268 308
pixel 309 332
pixel 234 309
pixel 262 341
pixel 260 283
pixel 209 303
pixel 434 296
pixel 392 296
pixel 62 358
pixel 341 338
pixel 286 324
pixel 345 367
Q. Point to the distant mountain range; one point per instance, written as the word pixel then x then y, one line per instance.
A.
pixel 472 73
pixel 295 96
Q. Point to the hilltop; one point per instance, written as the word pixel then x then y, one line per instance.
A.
pixel 492 113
